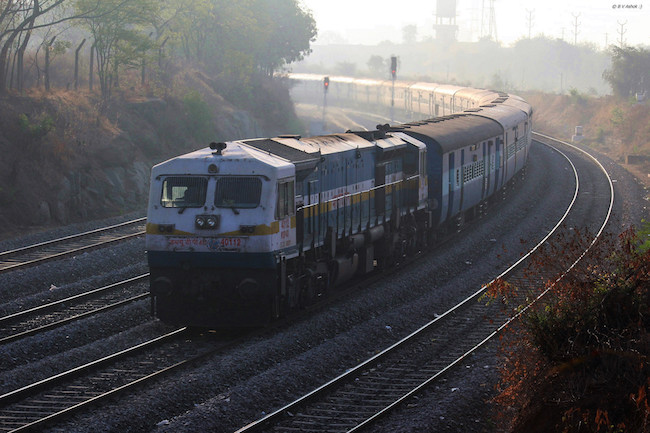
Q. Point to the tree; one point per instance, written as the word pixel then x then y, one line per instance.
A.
pixel 630 71
pixel 289 30
pixel 377 66
pixel 346 68
pixel 18 18
pixel 410 33
pixel 116 28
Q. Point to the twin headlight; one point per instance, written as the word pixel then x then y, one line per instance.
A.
pixel 208 222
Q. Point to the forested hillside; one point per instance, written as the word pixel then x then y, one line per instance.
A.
pixel 94 92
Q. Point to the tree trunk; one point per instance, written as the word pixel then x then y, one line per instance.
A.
pixel 76 64
pixel 46 71
pixel 92 65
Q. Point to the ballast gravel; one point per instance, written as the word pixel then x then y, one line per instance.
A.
pixel 264 373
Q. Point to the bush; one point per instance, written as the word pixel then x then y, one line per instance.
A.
pixel 42 125
pixel 579 362
pixel 199 116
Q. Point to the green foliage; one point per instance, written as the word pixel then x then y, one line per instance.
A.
pixel 410 33
pixel 644 237
pixel 287 31
pixel 348 69
pixel 377 66
pixel 199 117
pixel 618 117
pixel 37 129
pixel 630 71
pixel 60 47
pixel 221 34
pixel 119 30
pixel 576 97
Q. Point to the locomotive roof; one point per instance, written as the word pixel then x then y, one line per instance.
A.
pixel 336 142
pixel 304 158
pixel 455 131
pixel 234 155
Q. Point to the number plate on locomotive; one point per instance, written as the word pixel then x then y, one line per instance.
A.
pixel 234 244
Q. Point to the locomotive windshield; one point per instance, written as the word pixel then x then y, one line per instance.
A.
pixel 184 191
pixel 238 192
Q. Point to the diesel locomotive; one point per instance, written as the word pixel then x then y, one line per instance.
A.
pixel 241 232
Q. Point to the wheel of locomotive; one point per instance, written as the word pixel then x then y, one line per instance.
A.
pixel 307 293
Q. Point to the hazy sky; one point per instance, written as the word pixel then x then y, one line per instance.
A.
pixel 373 21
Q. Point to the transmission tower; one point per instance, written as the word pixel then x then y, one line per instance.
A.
pixel 490 17
pixel 621 32
pixel 576 24
pixel 529 20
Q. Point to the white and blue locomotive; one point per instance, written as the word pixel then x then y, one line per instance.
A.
pixel 243 231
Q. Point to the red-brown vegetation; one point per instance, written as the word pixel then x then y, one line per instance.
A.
pixel 577 361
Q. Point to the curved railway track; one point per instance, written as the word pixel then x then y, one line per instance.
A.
pixel 57 248
pixel 58 313
pixel 364 394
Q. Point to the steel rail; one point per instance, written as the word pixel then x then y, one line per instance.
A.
pixel 257 425
pixel 9 259
pixel 68 238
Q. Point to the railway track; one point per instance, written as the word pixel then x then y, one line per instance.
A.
pixel 46 401
pixel 70 245
pixel 58 313
pixel 364 394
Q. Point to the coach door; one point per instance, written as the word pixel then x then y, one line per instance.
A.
pixel 486 171
pixel 498 181
pixel 452 171
pixel 380 191
pixel 462 179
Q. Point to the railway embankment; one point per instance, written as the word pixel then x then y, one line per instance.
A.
pixel 65 159
pixel 617 128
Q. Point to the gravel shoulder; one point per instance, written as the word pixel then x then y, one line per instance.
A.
pixel 266 372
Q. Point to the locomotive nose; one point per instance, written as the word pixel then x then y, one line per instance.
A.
pixel 162 286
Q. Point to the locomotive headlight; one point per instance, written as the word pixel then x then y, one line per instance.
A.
pixel 200 222
pixel 212 222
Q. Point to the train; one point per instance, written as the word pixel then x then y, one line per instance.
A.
pixel 243 232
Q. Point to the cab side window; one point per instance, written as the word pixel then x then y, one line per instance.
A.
pixel 286 200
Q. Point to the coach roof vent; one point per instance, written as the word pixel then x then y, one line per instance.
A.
pixel 219 147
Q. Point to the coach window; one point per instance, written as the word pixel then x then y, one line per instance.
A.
pixel 184 191
pixel 286 200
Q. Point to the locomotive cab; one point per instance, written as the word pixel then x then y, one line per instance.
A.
pixel 215 224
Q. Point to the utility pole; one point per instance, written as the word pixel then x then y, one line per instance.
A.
pixel 393 73
pixel 606 40
pixel 575 28
pixel 621 32
pixel 326 86
pixel 530 21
